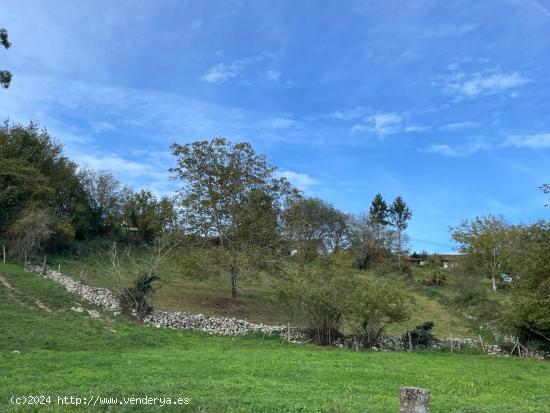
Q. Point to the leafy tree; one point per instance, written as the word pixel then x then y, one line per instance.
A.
pixel 147 216
pixel 436 277
pixel 320 292
pixel 35 230
pixel 5 75
pixel 370 242
pixel 222 184
pixel 28 151
pixel 487 241
pixel 376 304
pixel 398 216
pixel 21 186
pixel 530 269
pixel 106 197
pixel 312 225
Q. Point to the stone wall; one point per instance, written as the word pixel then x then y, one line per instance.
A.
pixel 108 300
pixel 102 297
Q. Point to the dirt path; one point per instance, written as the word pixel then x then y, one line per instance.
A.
pixel 38 303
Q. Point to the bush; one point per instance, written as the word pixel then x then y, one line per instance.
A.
pixel 62 236
pixel 376 304
pixel 37 231
pixel 320 293
pixel 135 300
pixel 466 278
pixel 421 336
pixel 391 267
pixel 436 277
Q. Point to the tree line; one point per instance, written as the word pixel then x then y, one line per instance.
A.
pixel 233 207
pixel 230 197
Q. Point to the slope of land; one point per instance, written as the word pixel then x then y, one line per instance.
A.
pixel 257 301
pixel 65 353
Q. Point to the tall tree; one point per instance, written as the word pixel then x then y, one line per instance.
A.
pixel 147 216
pixel 223 184
pixel 27 152
pixel 379 213
pixel 486 241
pixel 313 225
pixel 106 197
pixel 530 292
pixel 398 216
pixel 5 75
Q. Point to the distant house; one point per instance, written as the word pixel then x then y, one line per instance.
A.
pixel 447 260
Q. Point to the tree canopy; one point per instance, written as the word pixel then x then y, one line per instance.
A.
pixel 5 75
pixel 229 194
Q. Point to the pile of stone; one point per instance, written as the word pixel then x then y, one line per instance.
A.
pixel 101 297
pixel 385 343
pixel 215 325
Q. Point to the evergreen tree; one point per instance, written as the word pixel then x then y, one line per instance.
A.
pixel 398 216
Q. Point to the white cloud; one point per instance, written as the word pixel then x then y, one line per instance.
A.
pixel 221 72
pixel 474 85
pixel 381 124
pixel 273 75
pixel 415 128
pixel 446 150
pixel 101 126
pixel 538 6
pixel 299 180
pixel 385 123
pixel 453 127
pixel 120 166
pixel 279 122
pixel 472 145
pixel 536 141
pixel 358 112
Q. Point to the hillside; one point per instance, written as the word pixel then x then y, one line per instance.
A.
pixel 257 302
pixel 48 349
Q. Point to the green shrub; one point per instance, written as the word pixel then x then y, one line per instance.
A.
pixel 391 267
pixel 421 336
pixel 377 303
pixel 320 293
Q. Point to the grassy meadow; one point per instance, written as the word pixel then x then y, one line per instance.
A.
pixel 48 349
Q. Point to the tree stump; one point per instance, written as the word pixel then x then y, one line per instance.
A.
pixel 414 400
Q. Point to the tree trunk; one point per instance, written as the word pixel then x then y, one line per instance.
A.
pixel 234 283
pixel 494 280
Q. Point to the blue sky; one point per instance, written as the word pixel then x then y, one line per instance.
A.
pixel 443 103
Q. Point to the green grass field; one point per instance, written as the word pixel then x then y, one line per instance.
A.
pixel 63 353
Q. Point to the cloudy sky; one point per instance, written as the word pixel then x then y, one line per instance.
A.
pixel 444 103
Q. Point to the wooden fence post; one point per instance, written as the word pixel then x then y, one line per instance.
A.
pixel 4 252
pixel 288 332
pixel 482 346
pixel 414 400
pixel 410 341
pixel 44 266
pixel 25 261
